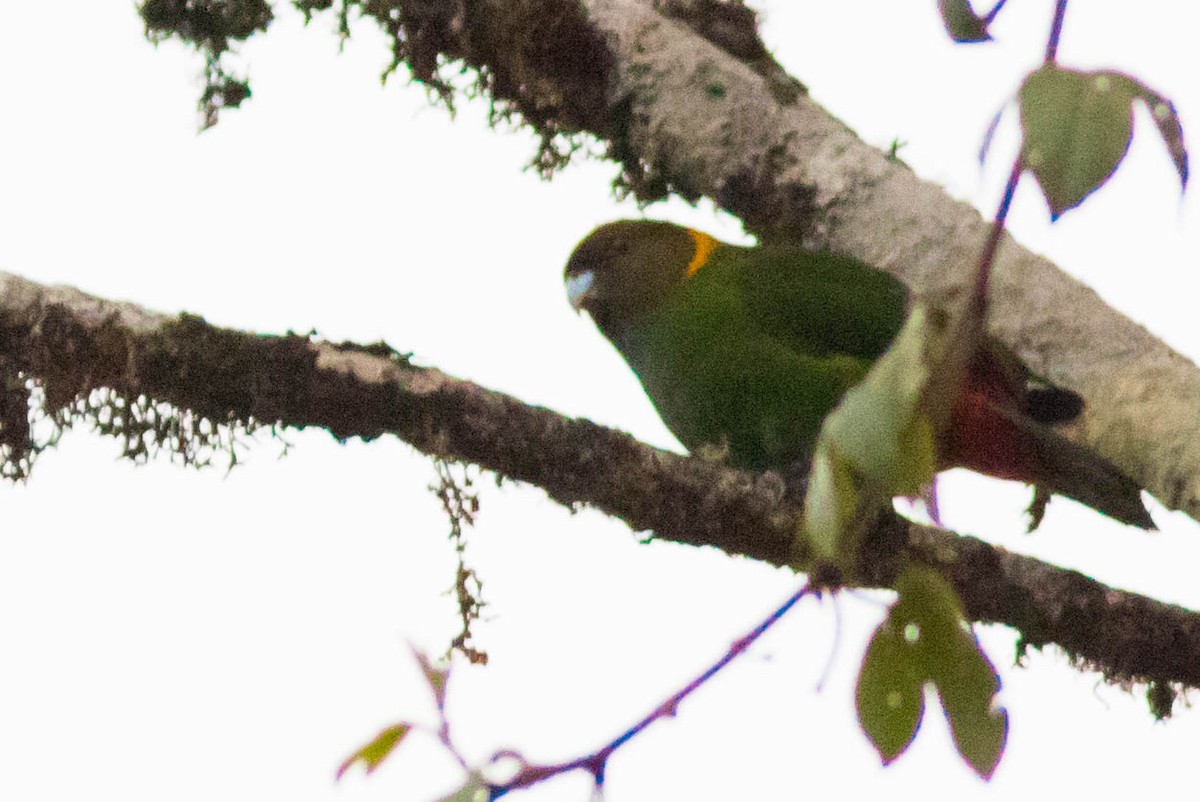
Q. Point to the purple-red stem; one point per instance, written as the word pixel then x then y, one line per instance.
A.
pixel 595 763
pixel 1060 10
pixel 993 241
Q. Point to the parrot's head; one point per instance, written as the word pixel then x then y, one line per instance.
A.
pixel 624 269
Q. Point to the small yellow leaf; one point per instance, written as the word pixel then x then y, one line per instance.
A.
pixel 377 750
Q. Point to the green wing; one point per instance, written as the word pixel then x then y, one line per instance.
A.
pixel 820 303
pixel 827 304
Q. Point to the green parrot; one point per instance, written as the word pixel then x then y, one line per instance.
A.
pixel 748 349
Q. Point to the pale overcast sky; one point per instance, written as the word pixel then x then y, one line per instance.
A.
pixel 172 634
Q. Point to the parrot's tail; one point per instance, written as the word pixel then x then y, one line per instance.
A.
pixel 1076 471
pixel 1008 444
pixel 1080 473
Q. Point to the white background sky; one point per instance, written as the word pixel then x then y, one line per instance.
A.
pixel 171 634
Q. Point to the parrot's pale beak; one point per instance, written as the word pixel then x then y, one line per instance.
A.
pixel 578 288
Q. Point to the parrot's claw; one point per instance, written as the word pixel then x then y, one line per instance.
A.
pixel 1037 508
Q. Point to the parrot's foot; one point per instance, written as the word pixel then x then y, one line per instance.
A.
pixel 1037 508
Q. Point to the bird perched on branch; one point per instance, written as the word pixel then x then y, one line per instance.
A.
pixel 748 349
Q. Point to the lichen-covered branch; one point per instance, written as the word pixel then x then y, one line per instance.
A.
pixel 69 346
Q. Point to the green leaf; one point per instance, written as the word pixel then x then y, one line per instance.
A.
pixel 1077 127
pixel 925 639
pixel 436 676
pixel 890 694
pixel 980 730
pixel 375 752
pixel 830 503
pixel 925 594
pixel 878 427
pixel 967 685
pixel 475 789
pixel 1162 111
pixel 962 23
pixel 947 653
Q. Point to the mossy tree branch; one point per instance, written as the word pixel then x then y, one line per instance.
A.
pixel 70 346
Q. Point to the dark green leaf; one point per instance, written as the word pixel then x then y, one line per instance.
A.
pixel 980 733
pixel 1167 119
pixel 967 685
pixel 925 594
pixel 890 695
pixel 962 23
pixel 1077 127
pixel 947 653
pixel 375 752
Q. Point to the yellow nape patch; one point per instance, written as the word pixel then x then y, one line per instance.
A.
pixel 705 245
